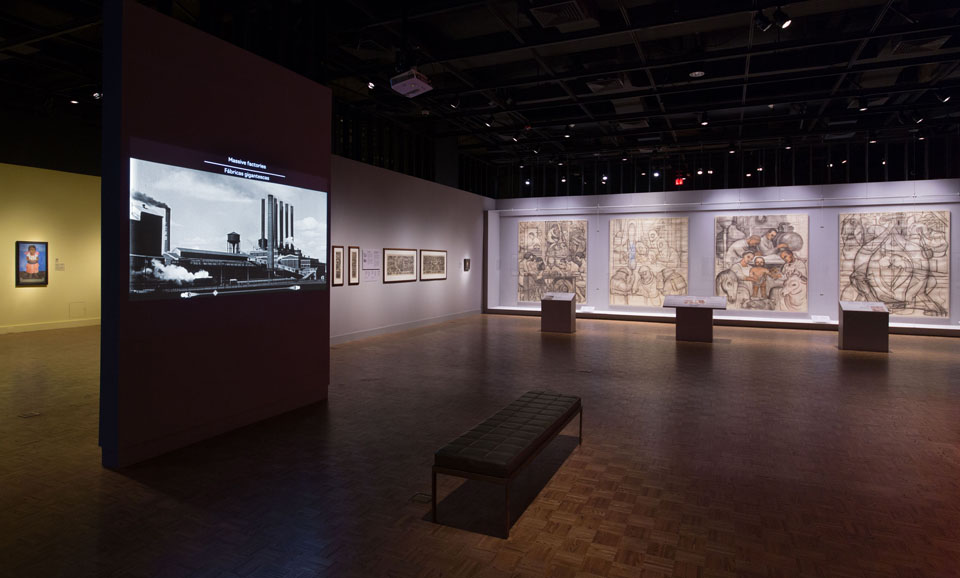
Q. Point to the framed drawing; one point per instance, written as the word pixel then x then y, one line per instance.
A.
pixel 466 265
pixel 31 260
pixel 336 260
pixel 399 265
pixel 353 266
pixel 433 265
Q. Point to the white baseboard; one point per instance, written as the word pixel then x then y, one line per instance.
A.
pixel 338 339
pixel 4 329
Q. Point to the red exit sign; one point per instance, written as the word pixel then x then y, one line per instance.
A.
pixel 678 181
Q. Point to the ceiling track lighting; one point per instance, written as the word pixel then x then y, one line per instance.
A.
pixel 762 22
pixel 862 105
pixel 781 19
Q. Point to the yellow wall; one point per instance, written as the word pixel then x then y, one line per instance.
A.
pixel 62 209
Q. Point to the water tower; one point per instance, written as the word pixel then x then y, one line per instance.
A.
pixel 233 241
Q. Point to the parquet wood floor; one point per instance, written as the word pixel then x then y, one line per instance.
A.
pixel 769 453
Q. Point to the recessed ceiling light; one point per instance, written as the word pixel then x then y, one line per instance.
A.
pixel 560 164
pixel 883 162
pixel 921 138
pixel 709 171
pixel 603 178
pixel 873 141
pixel 487 123
pixel 566 136
pixel 699 171
pixel 571 125
pixel 731 151
pixel 656 173
pixel 521 166
pixel 563 179
pixel 624 159
pixel 74 102
pixel 788 147
pixel 843 162
pixel 749 175
pixel 759 169
pixel 527 182
pixel 515 139
pixel 830 165
pixel 370 85
pixel 704 122
pixel 98 96
pixel 697 74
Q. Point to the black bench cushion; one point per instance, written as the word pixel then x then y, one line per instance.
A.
pixel 500 444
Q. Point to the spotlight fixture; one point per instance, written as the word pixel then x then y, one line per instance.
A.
pixel 699 171
pixel 563 179
pixel 453 105
pixel 560 164
pixel 370 85
pixel 862 104
pixel 917 119
pixel 99 95
pixel 788 147
pixel 603 178
pixel 762 22
pixel 944 98
pixel 536 151
pixel 643 174
pixel 74 102
pixel 749 175
pixel 781 19
pixel 624 159
pixel 697 74
pixel 656 174
pixel 731 151
pixel 515 139
pixel 566 136
pixel 843 162
pixel 521 166
pixel 830 165
pixel 883 162
pixel 703 119
pixel 918 138
pixel 759 169
pixel 873 141
pixel 709 171
pixel 527 182
pixel 571 125
pixel 487 123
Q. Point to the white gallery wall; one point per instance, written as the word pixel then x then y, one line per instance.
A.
pixel 823 204
pixel 373 208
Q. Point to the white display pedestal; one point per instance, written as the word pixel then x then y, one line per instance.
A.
pixel 864 326
pixel 695 315
pixel 558 312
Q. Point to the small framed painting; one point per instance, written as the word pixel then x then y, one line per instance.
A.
pixel 353 266
pixel 433 265
pixel 466 265
pixel 336 260
pixel 31 260
pixel 399 265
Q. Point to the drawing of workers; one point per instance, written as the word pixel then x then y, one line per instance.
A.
pixel 792 266
pixel 667 255
pixel 645 286
pixel 531 277
pixel 768 244
pixel 621 283
pixel 739 248
pixel 630 247
pixel 579 273
pixel 673 283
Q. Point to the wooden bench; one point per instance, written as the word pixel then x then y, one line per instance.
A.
pixel 497 449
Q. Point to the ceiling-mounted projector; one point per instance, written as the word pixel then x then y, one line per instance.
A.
pixel 411 83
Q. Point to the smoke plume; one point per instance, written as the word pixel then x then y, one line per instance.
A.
pixel 148 199
pixel 176 273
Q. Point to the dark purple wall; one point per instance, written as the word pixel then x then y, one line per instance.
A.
pixel 175 372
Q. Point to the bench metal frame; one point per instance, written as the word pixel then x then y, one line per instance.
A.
pixel 504 481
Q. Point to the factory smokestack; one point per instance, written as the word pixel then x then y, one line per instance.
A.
pixel 263 221
pixel 283 224
pixel 276 221
pixel 166 241
pixel 291 227
pixel 271 237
